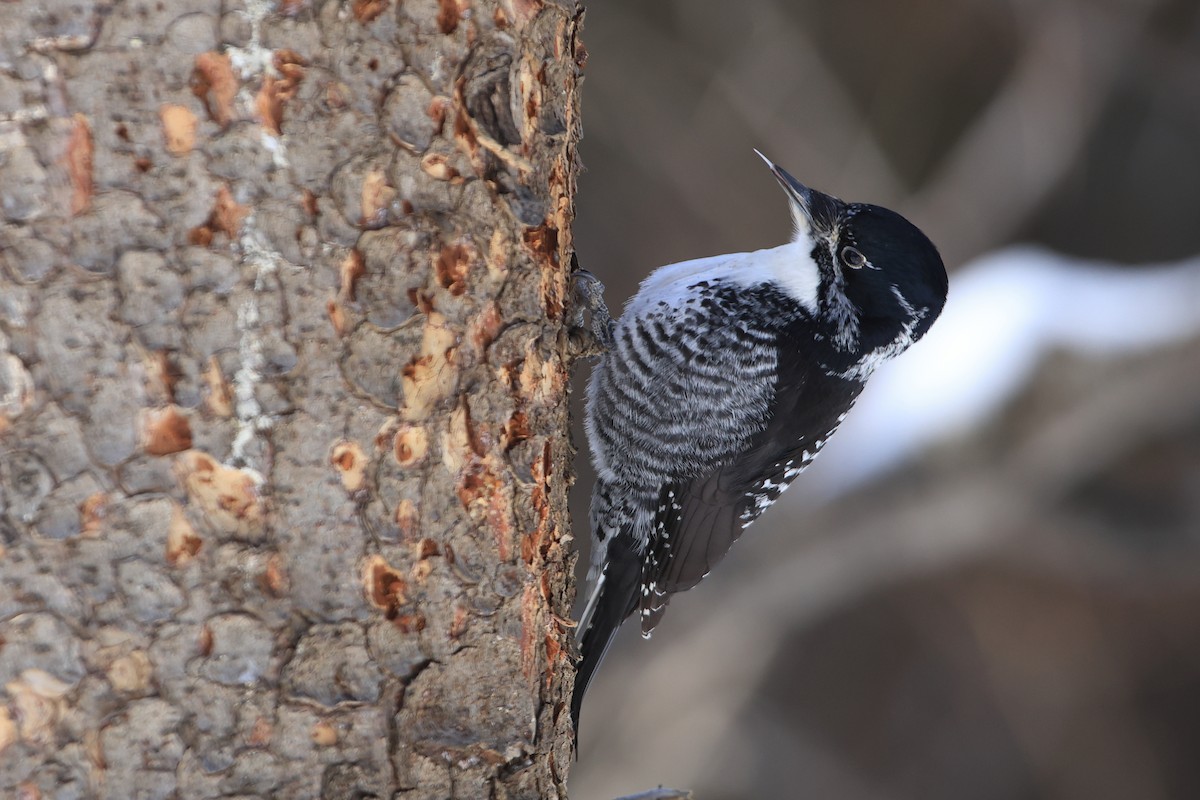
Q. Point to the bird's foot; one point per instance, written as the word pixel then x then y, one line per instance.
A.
pixel 588 297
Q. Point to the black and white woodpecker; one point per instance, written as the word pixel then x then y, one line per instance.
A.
pixel 723 379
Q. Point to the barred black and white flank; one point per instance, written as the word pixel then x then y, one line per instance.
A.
pixel 724 379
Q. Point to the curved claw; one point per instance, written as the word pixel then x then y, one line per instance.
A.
pixel 589 293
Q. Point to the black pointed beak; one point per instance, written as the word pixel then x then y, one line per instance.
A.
pixel 817 209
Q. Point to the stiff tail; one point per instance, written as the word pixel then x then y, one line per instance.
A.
pixel 615 598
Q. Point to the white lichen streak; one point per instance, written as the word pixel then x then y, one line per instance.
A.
pixel 255 61
pixel 251 419
pixel 252 63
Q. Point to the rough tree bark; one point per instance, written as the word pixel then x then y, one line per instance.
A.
pixel 283 432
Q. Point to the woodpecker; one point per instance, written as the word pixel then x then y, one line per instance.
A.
pixel 722 380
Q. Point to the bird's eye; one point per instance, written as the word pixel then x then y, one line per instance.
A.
pixel 853 259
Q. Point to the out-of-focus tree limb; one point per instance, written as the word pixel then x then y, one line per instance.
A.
pixel 1031 134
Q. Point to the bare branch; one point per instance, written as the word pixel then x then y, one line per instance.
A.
pixel 1031 134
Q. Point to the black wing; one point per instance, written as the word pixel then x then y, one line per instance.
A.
pixel 700 519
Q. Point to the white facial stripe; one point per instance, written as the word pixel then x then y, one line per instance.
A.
pixel 904 304
pixel 904 339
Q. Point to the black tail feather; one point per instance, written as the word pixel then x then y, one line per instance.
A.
pixel 618 599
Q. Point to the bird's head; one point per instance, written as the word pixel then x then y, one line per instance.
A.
pixel 881 281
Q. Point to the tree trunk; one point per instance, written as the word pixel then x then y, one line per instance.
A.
pixel 283 424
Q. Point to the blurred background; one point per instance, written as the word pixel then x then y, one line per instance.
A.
pixel 988 586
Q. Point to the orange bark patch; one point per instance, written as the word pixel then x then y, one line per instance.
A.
pixel 8 729
pixel 165 431
pixel 228 214
pixel 179 128
pixel 439 107
pixel 204 643
pixel 447 17
pixel 458 625
pixel 407 518
pixel 260 733
pixel 227 217
pixel 464 129
pixel 268 105
pixel 227 497
pixel 413 622
pixel 215 84
pixel 220 394
pixel 497 260
pixel 422 301
pixel 461 442
pixel 542 241
pixel 553 650
pixel 535 545
pixel 411 445
pixel 485 327
pixel 367 10
pixel 92 512
pixel 377 197
pixel 530 629
pixel 274 577
pixel 161 375
pixel 437 166
pixel 182 542
pixel 337 318
pixel 352 268
pixel 201 236
pixel 385 587
pixel 308 202
pixel 425 550
pixel 323 734
pixel 351 463
pixel 516 430
pixel 431 375
pixel 277 91
pixel 78 162
pixel 529 87
pixel 452 265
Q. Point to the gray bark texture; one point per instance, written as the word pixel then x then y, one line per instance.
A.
pixel 283 423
